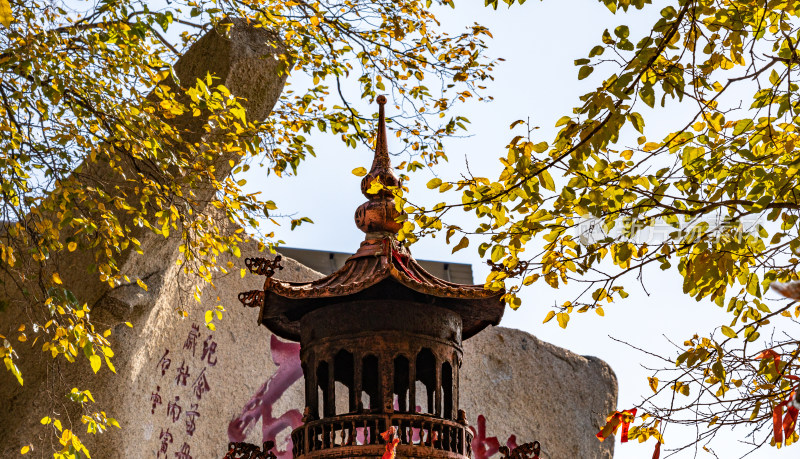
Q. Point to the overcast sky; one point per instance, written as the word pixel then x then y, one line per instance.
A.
pixel 538 80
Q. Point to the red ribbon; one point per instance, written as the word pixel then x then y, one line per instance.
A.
pixel 783 426
pixel 657 452
pixel 770 354
pixel 401 259
pixel 789 421
pixel 777 425
pixel 390 449
pixel 391 443
pixel 623 418
pixel 627 417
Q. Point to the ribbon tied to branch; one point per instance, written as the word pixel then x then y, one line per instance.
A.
pixel 618 418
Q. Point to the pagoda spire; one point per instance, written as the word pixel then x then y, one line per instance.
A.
pixel 379 215
pixel 381 163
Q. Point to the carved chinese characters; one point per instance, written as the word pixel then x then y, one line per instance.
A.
pixel 176 402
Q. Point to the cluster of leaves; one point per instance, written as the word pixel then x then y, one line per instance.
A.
pixel 95 422
pixel 96 155
pixel 386 46
pixel 721 185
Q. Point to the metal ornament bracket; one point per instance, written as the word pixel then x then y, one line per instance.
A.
pixel 242 450
pixel 263 267
pixel 526 451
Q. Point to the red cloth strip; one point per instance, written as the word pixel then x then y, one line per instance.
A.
pixel 401 261
pixel 627 417
pixel 777 423
pixel 789 421
pixel 657 452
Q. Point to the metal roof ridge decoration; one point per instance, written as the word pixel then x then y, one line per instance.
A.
pixel 380 257
pixel 377 260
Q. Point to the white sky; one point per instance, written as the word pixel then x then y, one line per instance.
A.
pixel 538 79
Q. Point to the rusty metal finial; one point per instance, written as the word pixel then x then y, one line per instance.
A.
pixel 381 164
pixel 378 215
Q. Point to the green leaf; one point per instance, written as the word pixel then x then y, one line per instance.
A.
pixel 637 121
pixel 596 51
pixel 728 331
pixel 483 248
pixel 648 96
pixel 742 126
pixel 547 180
pixel 719 370
pixel 774 78
pixel 563 120
pixel 463 243
pixel 756 410
pixel 434 183
pixel 585 71
pixel 498 252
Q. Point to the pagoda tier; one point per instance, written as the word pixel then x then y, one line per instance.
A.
pixel 381 268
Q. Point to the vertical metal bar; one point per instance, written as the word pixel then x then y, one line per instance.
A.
pixel 312 398
pixel 412 385
pixel 330 395
pixel 456 372
pixel 386 365
pixel 438 390
pixel 355 404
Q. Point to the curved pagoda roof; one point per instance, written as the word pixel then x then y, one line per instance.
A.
pixel 382 268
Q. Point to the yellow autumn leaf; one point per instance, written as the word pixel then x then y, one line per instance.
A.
pixel 549 317
pixel 5 16
pixel 461 244
pixel 563 319
pixel 25 449
pixel 56 277
pixel 547 180
pixel 95 361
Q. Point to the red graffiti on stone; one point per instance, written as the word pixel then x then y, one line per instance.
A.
pixel 287 358
pixel 484 447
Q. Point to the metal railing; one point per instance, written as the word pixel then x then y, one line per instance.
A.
pixel 355 431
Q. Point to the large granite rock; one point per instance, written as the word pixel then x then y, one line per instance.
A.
pixel 536 391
